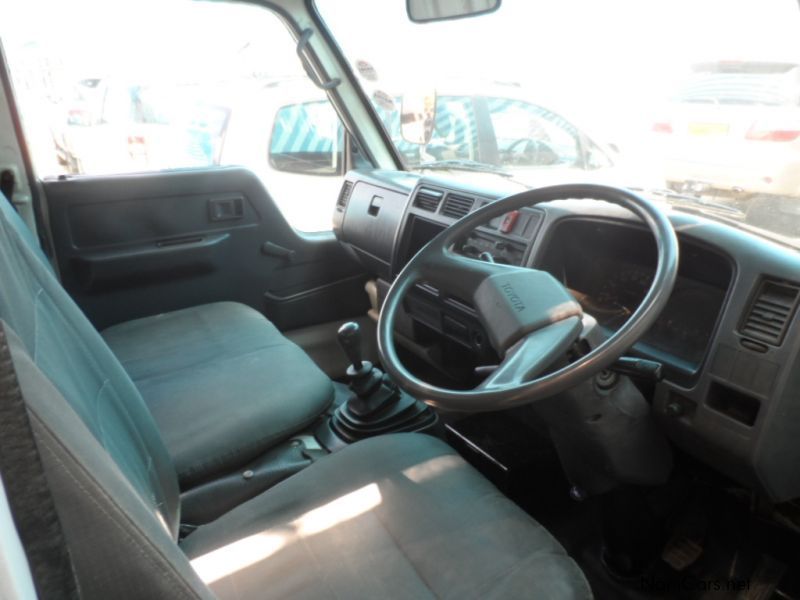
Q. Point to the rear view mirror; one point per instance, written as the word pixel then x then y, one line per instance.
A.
pixel 426 11
pixel 418 116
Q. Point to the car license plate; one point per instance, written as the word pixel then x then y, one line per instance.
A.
pixel 708 128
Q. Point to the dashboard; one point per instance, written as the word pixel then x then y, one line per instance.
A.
pixel 728 338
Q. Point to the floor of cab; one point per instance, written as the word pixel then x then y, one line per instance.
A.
pixel 706 522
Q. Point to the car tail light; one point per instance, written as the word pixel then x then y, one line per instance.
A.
pixel 137 148
pixel 662 127
pixel 769 132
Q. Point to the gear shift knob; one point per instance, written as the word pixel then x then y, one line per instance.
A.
pixel 349 336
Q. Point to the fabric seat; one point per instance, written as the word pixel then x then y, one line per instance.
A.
pixel 222 383
pixel 400 516
pixel 395 517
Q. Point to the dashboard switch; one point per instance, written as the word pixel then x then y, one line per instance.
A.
pixel 507 226
pixel 674 409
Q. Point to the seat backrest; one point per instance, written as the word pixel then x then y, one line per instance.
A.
pixel 76 359
pixel 90 382
pixel 118 540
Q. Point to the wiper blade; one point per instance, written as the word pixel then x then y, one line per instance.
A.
pixel 677 198
pixel 459 164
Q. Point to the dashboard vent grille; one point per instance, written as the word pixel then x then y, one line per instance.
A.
pixel 428 199
pixel 344 194
pixel 770 312
pixel 457 206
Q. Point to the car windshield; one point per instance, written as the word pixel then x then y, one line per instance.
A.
pixel 694 103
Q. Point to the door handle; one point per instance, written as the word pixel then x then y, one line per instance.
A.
pixel 270 249
pixel 225 209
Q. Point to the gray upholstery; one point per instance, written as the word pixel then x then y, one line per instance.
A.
pixel 121 547
pixel 398 516
pixel 73 356
pixel 222 383
pixel 220 380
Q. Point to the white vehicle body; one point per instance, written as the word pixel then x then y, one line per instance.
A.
pixel 729 133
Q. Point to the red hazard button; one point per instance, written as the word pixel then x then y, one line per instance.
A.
pixel 509 221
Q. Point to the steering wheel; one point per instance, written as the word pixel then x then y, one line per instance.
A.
pixel 531 319
pixel 530 154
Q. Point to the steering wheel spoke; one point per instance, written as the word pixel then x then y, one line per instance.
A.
pixel 458 275
pixel 533 354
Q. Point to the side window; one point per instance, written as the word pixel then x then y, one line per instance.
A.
pixel 529 135
pixel 162 86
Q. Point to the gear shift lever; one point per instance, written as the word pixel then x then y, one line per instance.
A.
pixel 376 404
pixel 349 336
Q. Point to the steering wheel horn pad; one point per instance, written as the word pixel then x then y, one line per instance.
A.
pixel 515 302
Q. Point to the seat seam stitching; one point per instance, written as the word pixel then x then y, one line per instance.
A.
pixel 36 303
pixel 536 556
pixel 176 581
pixel 33 265
pixel 39 274
pixel 308 548
pixel 204 362
pixel 399 546
pixel 285 432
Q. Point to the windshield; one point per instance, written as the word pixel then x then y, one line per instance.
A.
pixel 694 102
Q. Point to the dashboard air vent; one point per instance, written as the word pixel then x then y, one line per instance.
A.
pixel 770 312
pixel 344 194
pixel 428 199
pixel 457 206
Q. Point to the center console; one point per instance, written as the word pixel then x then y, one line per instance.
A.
pixel 504 240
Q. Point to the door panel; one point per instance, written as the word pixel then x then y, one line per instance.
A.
pixel 135 245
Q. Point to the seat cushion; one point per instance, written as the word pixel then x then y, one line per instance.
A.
pixel 222 383
pixel 398 516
